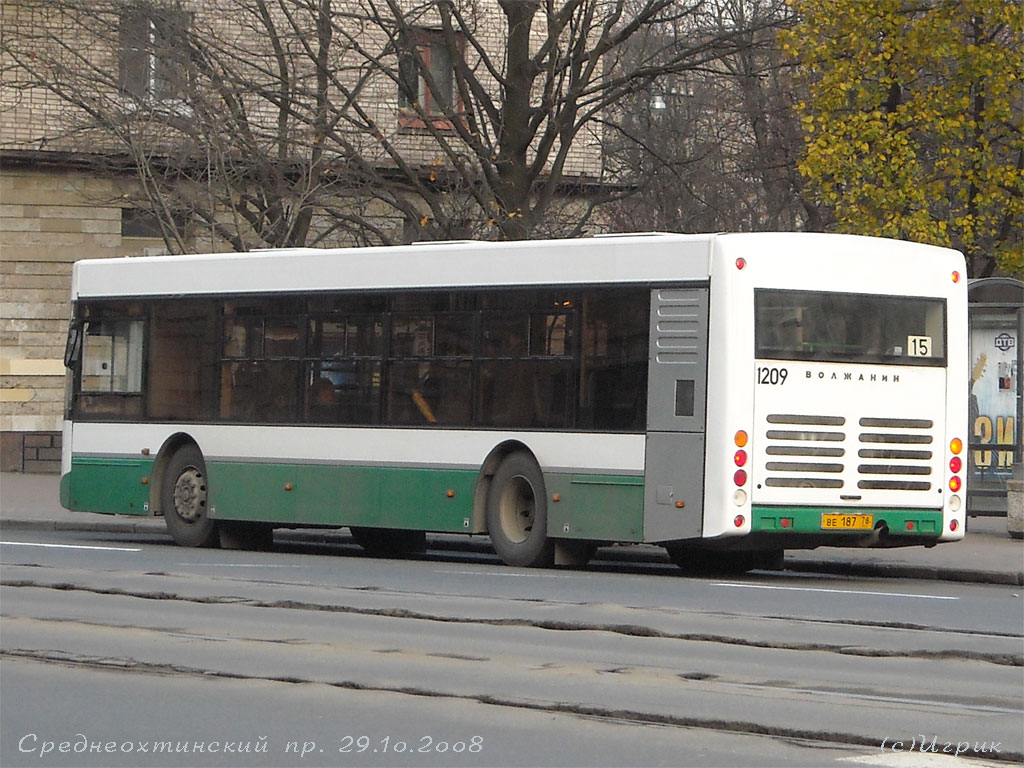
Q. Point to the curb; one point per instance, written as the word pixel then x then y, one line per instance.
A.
pixel 874 570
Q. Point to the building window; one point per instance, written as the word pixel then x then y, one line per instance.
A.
pixel 140 222
pixel 427 50
pixel 153 55
pixel 136 222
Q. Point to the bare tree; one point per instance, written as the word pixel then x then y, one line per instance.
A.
pixel 716 147
pixel 290 122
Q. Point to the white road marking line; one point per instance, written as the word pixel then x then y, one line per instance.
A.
pixel 69 546
pixel 834 591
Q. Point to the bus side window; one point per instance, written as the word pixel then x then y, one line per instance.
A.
pixel 614 363
pixel 182 381
pixel 433 392
pixel 112 356
pixel 524 379
pixel 111 370
pixel 261 372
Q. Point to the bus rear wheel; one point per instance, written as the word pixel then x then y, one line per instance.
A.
pixel 184 499
pixel 517 515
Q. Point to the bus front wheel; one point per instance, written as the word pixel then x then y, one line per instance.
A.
pixel 184 500
pixel 517 516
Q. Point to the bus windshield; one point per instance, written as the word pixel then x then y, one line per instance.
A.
pixel 850 328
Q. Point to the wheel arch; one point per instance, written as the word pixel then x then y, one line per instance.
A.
pixel 171 445
pixel 487 470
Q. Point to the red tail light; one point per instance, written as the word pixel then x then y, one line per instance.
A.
pixel 956 445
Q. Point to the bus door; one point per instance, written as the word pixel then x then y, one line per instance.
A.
pixel 676 406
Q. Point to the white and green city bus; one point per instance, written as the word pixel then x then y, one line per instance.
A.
pixel 726 396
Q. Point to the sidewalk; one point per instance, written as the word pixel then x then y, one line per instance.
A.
pixel 986 555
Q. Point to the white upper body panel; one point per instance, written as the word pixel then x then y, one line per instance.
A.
pixel 594 261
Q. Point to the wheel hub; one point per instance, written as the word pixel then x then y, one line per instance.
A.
pixel 190 495
pixel 518 508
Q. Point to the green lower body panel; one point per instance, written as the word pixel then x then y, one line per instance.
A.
pixel 306 494
pixel 596 507
pixel 590 507
pixel 65 491
pixel 108 486
pixel 812 520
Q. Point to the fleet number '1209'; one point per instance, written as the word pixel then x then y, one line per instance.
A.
pixel 772 375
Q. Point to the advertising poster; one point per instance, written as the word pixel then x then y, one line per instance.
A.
pixel 993 392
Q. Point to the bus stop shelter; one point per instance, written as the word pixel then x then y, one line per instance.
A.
pixel 996 330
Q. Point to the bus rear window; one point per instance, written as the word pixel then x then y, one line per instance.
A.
pixel 850 328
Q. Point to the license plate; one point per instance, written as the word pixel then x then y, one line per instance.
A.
pixel 847 522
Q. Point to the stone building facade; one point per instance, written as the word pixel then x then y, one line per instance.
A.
pixel 57 206
pixel 49 218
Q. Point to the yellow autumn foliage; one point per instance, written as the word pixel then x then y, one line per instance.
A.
pixel 913 125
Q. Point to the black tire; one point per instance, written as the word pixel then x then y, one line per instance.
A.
pixel 388 542
pixel 183 500
pixel 517 513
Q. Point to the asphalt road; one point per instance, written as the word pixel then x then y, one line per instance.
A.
pixel 129 648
